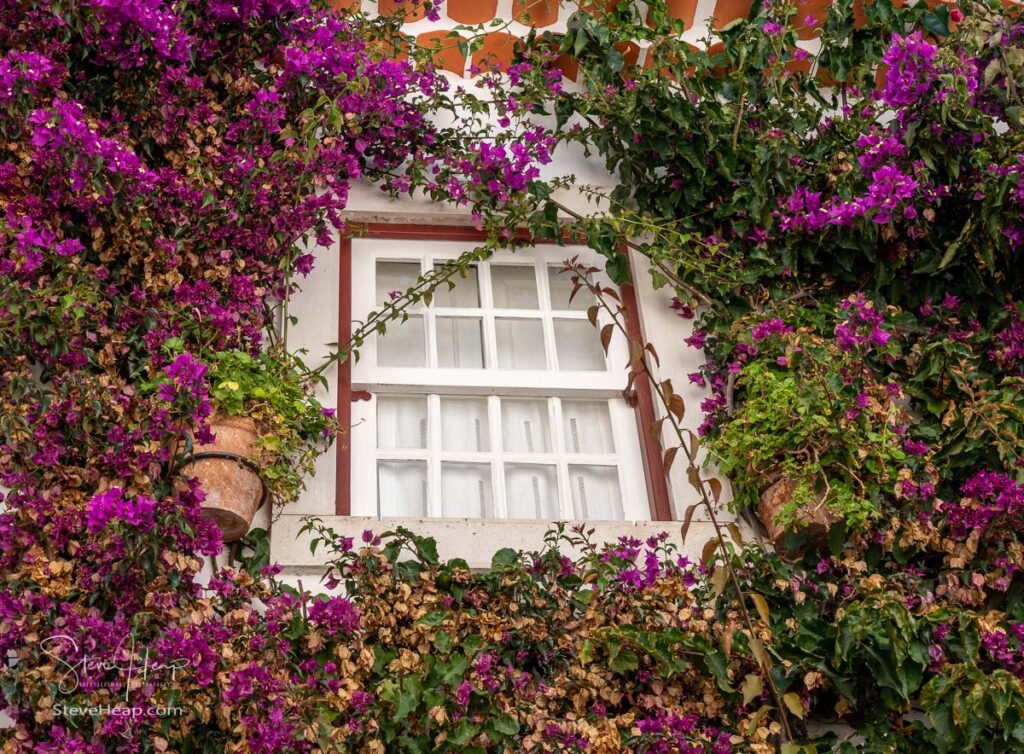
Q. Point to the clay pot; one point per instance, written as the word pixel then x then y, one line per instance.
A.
pixel 234 491
pixel 815 519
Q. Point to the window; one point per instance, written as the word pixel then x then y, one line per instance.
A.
pixel 496 400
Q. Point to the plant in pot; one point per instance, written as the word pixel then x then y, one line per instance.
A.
pixel 817 436
pixel 263 435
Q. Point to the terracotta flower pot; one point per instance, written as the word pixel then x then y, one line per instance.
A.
pixel 813 518
pixel 234 491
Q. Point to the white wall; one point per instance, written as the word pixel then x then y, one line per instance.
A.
pixel 317 305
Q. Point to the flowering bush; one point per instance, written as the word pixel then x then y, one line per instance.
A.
pixel 849 254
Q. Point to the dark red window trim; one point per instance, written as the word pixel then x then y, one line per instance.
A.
pixel 642 398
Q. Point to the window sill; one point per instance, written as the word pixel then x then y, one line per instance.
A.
pixel 473 540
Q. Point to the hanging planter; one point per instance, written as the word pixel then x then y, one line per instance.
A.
pixel 268 431
pixel 814 518
pixel 228 475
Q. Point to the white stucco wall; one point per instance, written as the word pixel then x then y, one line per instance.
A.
pixel 474 540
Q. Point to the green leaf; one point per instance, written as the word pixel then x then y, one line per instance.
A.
pixel 506 725
pixel 504 557
pixel 752 687
pixel 409 697
pixel 793 704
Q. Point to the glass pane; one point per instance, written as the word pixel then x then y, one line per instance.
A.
pixel 464 425
pixel 531 491
pixel 401 422
pixel 394 278
pixel 525 427
pixel 466 292
pixel 402 488
pixel 520 344
pixel 587 426
pixel 466 490
pixel 561 289
pixel 578 345
pixel 460 342
pixel 514 287
pixel 595 493
pixel 404 344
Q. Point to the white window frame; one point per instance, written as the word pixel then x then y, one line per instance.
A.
pixel 492 382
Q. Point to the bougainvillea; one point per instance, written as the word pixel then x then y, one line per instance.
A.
pixel 848 254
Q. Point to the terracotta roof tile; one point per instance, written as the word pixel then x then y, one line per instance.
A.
pixel 538 13
pixel 448 57
pixel 596 7
pixel 686 10
pixel 630 51
pixel 816 9
pixel 497 50
pixel 727 11
pixel 499 47
pixel 414 9
pixel 471 11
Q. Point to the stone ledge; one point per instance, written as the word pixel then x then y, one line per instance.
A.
pixel 473 540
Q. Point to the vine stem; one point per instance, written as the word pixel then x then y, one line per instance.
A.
pixel 641 363
pixel 669 273
pixel 394 309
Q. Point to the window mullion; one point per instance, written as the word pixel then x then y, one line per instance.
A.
pixel 487 310
pixel 547 321
pixel 434 503
pixel 558 438
pixel 498 462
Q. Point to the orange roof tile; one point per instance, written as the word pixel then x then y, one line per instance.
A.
pixel 448 57
pixel 471 11
pixel 497 51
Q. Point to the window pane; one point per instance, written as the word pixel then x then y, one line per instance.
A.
pixel 514 287
pixel 464 425
pixel 520 344
pixel 595 493
pixel 587 426
pixel 578 345
pixel 525 427
pixel 466 292
pixel 395 277
pixel 561 289
pixel 401 422
pixel 460 342
pixel 404 344
pixel 402 488
pixel 466 490
pixel 531 491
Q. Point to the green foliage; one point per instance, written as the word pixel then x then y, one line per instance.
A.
pixel 275 390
